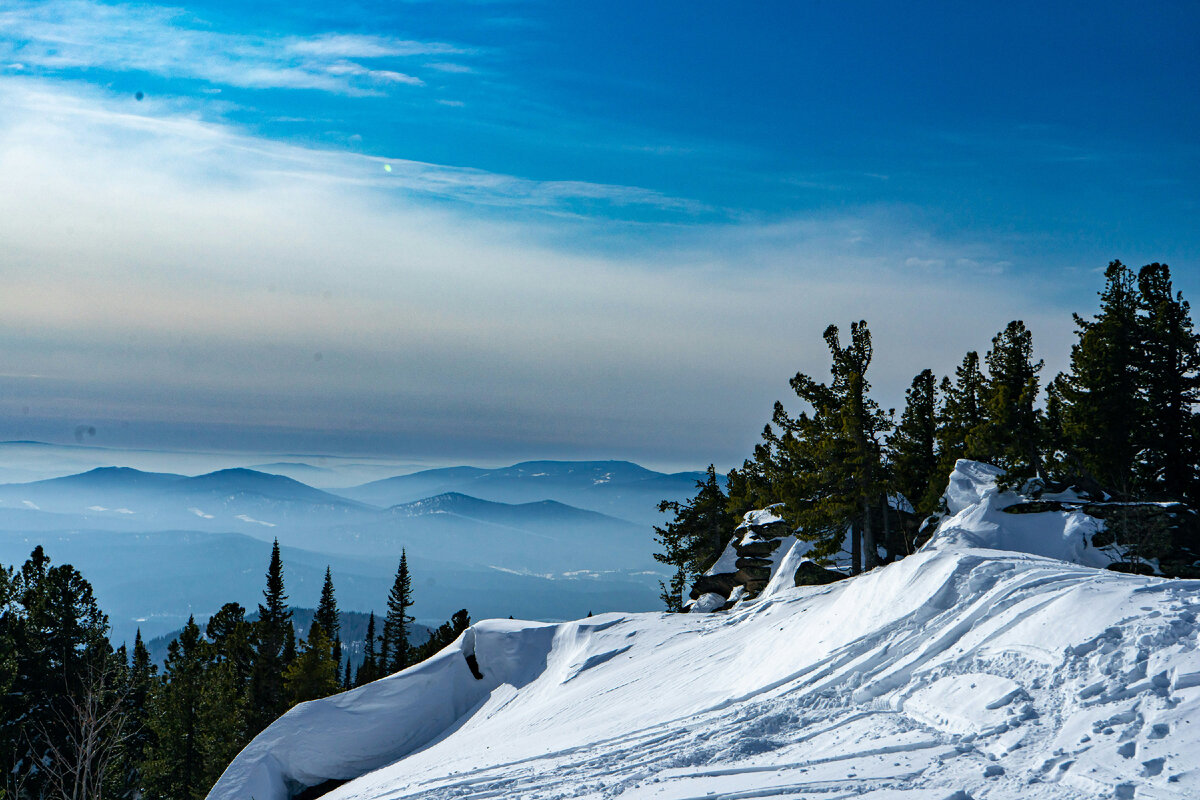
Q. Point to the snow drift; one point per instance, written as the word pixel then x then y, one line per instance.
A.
pixel 968 670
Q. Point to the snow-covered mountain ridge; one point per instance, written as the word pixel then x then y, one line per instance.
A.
pixel 960 672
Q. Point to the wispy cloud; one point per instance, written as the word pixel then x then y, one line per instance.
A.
pixel 164 268
pixel 57 35
pixel 110 120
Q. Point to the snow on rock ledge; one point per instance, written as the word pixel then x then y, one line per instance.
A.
pixel 977 520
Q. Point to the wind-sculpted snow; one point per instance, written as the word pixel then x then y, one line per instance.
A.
pixel 978 520
pixel 956 673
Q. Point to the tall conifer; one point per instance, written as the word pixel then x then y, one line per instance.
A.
pixel 913 444
pixel 1098 404
pixel 273 631
pixel 1170 373
pixel 369 669
pixel 395 651
pixel 327 617
pixel 1010 437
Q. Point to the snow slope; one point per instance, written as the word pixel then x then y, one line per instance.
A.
pixel 959 672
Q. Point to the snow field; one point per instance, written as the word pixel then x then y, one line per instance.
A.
pixel 959 673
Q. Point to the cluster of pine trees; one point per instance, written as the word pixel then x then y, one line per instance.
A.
pixel 1121 421
pixel 82 721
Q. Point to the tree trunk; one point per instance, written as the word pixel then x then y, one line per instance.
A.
pixel 855 548
pixel 870 553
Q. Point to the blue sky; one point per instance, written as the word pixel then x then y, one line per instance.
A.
pixel 481 230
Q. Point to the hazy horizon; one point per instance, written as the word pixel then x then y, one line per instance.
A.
pixel 495 231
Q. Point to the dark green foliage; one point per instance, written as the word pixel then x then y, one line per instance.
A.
pixel 195 707
pixel 369 669
pixel 826 464
pixel 61 664
pixel 275 643
pixel 913 445
pixel 445 634
pixel 327 617
pixel 962 412
pixel 694 539
pixel 140 681
pixel 1010 435
pixel 1096 411
pixel 1170 374
pixel 394 653
pixel 313 674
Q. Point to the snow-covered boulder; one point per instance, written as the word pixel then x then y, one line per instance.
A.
pixel 977 519
pixel 760 548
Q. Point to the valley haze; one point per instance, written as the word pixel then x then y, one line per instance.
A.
pixel 542 540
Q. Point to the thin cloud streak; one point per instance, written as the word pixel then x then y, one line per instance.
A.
pixel 76 34
pixel 171 270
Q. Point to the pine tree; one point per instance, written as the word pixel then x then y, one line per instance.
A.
pixel 369 669
pixel 962 413
pixel 1098 406
pixel 445 635
pixel 327 617
pixel 1170 374
pixel 825 464
pixel 61 647
pixel 863 422
pixel 272 633
pixel 141 683
pixel 313 674
pixel 1010 437
pixel 395 651
pixel 913 444
pixel 194 708
pixel 694 539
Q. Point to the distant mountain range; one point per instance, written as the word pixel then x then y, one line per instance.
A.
pixel 541 539
pixel 616 488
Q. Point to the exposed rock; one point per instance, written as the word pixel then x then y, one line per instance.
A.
pixel 810 574
pixel 756 548
pixel 752 565
pixel 749 554
pixel 721 584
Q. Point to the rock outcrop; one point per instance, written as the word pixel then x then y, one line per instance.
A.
pixel 760 547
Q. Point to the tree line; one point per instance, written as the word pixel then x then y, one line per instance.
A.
pixel 1120 423
pixel 80 720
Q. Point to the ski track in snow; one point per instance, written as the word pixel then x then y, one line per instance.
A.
pixel 1001 679
pixel 955 674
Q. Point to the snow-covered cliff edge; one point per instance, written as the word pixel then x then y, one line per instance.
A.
pixel 968 670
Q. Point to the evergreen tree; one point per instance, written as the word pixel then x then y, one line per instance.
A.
pixel 313 674
pixel 232 637
pixel 1010 437
pixel 1170 374
pixel 195 707
pixel 825 464
pixel 863 422
pixel 962 413
pixel 272 632
pixel 394 654
pixel 1098 407
pixel 445 635
pixel 61 649
pixel 327 617
pixel 913 445
pixel 141 683
pixel 694 539
pixel 369 669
